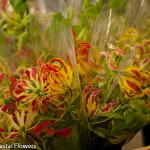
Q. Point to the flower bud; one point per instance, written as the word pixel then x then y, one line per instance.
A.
pixel 92 98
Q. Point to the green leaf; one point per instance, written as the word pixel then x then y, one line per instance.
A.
pixel 92 11
pixel 114 94
pixel 129 119
pixel 86 2
pixel 56 23
pixel 16 76
pixel 75 133
pixel 101 132
pixel 139 104
pixel 116 4
pixel 42 117
pixel 139 115
pixel 107 70
pixel 10 99
pixel 20 6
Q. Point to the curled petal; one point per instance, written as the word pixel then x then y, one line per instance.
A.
pixel 13 136
pixel 106 108
pixel 60 61
pixel 140 48
pixel 13 82
pixel 40 128
pixel 5 108
pixel 2 77
pixel 136 73
pixel 129 95
pixel 64 132
pixel 30 71
pixel 2 130
pixel 39 62
pixel 50 132
pixel 87 88
pixel 119 52
pixel 133 86
pixel 111 66
pixel 20 98
pixel 146 60
pixel 91 101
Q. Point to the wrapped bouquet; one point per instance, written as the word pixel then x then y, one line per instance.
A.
pixel 91 92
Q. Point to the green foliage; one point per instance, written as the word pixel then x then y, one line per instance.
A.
pixel 123 120
pixel 20 6
pixel 56 23
pixel 116 4
pixel 107 70
pixel 92 10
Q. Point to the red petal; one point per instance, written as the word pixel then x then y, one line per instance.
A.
pixel 146 60
pixel 146 43
pixel 5 108
pixel 50 132
pixel 140 48
pixel 111 66
pixel 38 129
pixel 44 102
pixel 87 88
pixel 13 82
pixel 27 72
pixel 64 132
pixel 133 86
pixel 2 77
pixel 88 95
pixel 105 109
pixel 129 95
pixel 136 73
pixel 39 62
pixel 31 70
pixel 19 98
pixel 2 130
pixel 148 106
pixel 35 105
pixel 60 61
pixel 119 52
pixel 85 44
pixel 13 136
pixel 19 91
pixel 7 39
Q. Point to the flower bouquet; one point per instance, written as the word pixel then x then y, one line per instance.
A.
pixel 86 95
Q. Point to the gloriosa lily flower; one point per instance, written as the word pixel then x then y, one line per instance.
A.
pixel 144 55
pixel 88 59
pixel 16 124
pixel 50 79
pixel 21 121
pixel 58 74
pixel 113 59
pixel 33 87
pixel 92 100
pixel 134 81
